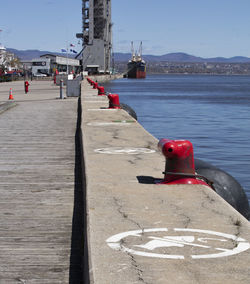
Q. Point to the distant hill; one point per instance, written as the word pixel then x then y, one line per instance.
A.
pixel 33 53
pixel 170 57
pixel 182 57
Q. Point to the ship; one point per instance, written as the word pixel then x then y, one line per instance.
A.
pixel 136 66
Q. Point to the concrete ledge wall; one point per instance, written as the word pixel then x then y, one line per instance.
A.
pixel 188 224
pixel 105 78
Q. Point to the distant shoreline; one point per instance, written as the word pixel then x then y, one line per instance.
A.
pixel 204 74
pixel 214 68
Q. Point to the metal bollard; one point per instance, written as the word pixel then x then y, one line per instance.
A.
pixel 61 89
pixel 95 85
pixel 179 166
pixel 114 101
pixel 101 91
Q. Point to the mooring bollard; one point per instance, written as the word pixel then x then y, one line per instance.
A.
pixel 179 167
pixel 101 91
pixel 114 101
pixel 61 89
pixel 95 85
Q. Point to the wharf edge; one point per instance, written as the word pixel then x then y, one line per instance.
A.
pixel 48 161
pixel 126 210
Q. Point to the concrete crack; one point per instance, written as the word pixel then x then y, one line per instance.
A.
pixel 137 269
pixel 237 223
pixel 210 200
pixel 124 215
pixel 187 220
pixel 133 261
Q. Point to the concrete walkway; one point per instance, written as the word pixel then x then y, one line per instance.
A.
pixel 37 184
pixel 140 232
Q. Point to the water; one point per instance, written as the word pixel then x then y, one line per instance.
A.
pixel 213 112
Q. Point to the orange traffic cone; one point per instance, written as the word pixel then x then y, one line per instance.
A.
pixel 10 95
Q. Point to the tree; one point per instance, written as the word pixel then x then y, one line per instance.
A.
pixel 15 63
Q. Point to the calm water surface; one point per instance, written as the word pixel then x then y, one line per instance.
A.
pixel 213 112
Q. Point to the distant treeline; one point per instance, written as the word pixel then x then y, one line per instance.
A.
pixel 191 68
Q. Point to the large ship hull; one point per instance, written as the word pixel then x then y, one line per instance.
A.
pixel 136 70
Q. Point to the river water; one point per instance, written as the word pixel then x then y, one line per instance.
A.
pixel 213 112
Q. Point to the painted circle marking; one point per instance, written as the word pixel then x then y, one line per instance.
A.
pixel 125 150
pixel 159 242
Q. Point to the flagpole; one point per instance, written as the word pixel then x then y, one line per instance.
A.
pixel 67 58
pixel 0 35
pixel 67 51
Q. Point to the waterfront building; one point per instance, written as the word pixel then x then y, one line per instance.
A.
pixel 96 36
pixel 2 54
pixel 8 61
pixel 47 64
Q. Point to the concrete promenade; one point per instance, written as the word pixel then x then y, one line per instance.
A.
pixel 136 231
pixel 37 185
pixel 140 232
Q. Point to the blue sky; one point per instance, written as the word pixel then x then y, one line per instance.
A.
pixel 206 28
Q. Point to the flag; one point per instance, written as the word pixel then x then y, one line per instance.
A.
pixel 72 45
pixel 63 50
pixel 72 50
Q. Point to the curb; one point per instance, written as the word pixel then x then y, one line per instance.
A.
pixel 6 106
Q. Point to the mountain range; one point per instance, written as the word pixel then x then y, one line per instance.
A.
pixel 33 53
pixel 121 57
pixel 182 57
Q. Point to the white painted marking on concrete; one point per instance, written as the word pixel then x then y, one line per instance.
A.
pixel 201 240
pixel 96 101
pixel 103 109
pixel 125 150
pixel 109 123
pixel 35 183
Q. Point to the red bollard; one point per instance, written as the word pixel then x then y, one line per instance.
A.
pixel 26 87
pixel 114 101
pixel 179 168
pixel 101 91
pixel 54 79
pixel 95 85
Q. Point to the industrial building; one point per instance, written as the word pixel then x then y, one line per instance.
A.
pixel 47 64
pixel 96 36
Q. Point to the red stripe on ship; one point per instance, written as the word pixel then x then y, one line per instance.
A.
pixel 140 74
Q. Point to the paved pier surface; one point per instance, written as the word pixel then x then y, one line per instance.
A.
pixel 37 183
pixel 140 232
